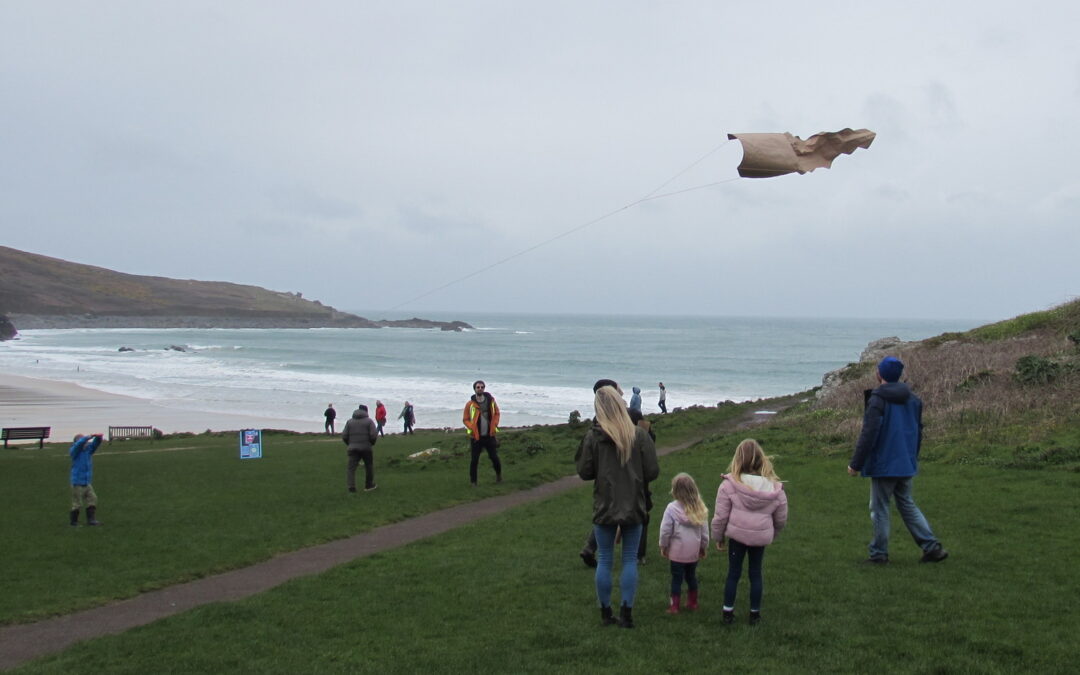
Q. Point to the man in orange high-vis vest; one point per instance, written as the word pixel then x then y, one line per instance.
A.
pixel 481 418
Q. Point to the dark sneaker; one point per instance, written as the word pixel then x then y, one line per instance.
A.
pixel 934 555
pixel 352 489
pixel 877 560
pixel 755 617
pixel 588 557
pixel 729 617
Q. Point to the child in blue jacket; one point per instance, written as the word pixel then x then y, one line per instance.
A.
pixel 82 468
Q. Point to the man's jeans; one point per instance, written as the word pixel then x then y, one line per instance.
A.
pixel 881 490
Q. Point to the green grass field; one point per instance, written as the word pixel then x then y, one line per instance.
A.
pixel 186 507
pixel 509 594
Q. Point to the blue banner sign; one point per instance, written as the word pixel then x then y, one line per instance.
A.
pixel 251 444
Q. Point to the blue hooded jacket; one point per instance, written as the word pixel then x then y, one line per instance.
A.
pixel 82 466
pixel 635 400
pixel 888 446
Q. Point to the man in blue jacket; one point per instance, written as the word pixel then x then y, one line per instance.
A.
pixel 888 452
pixel 82 469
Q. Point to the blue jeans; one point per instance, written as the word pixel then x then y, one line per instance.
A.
pixel 605 561
pixel 881 490
pixel 736 552
pixel 679 571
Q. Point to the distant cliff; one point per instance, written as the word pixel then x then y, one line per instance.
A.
pixel 41 292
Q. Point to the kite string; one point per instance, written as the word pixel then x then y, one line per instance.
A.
pixel 651 196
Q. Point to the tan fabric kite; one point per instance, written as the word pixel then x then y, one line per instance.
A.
pixel 766 155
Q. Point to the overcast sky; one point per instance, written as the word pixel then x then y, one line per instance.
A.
pixel 367 153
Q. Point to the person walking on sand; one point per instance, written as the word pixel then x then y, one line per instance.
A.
pixel 330 414
pixel 380 417
pixel 684 539
pixel 751 508
pixel 359 435
pixel 619 458
pixel 888 453
pixel 408 418
pixel 481 418
pixel 663 399
pixel 82 469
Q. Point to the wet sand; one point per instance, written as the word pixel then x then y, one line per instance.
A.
pixel 71 409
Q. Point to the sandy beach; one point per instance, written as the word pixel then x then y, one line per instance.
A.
pixel 70 409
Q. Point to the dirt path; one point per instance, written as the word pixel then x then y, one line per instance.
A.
pixel 21 643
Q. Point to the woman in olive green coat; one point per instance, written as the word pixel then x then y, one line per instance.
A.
pixel 620 458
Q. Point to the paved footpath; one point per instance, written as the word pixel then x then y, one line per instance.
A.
pixel 23 642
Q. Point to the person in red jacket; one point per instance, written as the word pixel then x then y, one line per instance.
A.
pixel 380 417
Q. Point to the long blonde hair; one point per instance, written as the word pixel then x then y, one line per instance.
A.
pixel 750 458
pixel 685 491
pixel 612 417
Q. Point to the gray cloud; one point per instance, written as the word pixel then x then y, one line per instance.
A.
pixel 430 138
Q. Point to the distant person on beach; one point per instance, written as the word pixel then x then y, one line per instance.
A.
pixel 635 399
pixel 684 539
pixel 620 459
pixel 380 417
pixel 751 508
pixel 330 414
pixel 588 553
pixel 82 468
pixel 360 435
pixel 663 399
pixel 888 453
pixel 408 417
pixel 481 418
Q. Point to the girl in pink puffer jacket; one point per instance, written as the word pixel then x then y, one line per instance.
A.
pixel 751 507
pixel 684 538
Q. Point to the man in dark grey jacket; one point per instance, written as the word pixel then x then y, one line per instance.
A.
pixel 359 435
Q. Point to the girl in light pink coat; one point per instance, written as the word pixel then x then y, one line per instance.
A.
pixel 684 539
pixel 751 507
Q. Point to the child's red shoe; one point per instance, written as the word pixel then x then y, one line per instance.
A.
pixel 691 601
pixel 673 608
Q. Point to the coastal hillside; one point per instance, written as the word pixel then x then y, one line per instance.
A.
pixel 37 291
pixel 1005 394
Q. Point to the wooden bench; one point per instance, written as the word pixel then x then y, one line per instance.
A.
pixel 25 433
pixel 130 432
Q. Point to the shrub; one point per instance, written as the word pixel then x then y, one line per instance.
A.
pixel 1036 370
pixel 575 417
pixel 972 381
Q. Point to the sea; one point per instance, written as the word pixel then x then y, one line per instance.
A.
pixel 539 367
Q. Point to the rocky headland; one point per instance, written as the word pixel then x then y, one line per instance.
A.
pixel 41 292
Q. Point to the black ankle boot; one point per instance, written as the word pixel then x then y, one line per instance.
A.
pixel 606 619
pixel 626 617
pixel 90 519
pixel 75 517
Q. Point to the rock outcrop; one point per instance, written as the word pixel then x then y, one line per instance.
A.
pixel 7 329
pixel 874 352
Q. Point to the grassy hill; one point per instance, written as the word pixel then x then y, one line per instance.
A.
pixel 39 286
pixel 1005 394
